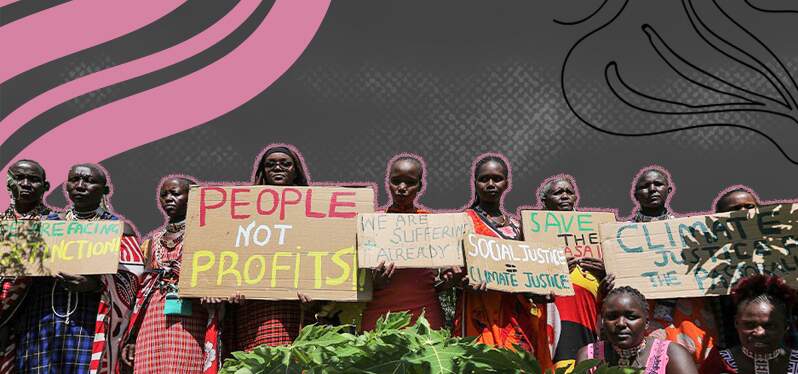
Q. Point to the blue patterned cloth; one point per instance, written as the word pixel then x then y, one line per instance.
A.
pixel 46 344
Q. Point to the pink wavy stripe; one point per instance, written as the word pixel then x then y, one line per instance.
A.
pixel 70 27
pixel 208 37
pixel 187 102
pixel 7 2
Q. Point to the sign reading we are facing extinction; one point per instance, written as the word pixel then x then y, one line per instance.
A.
pixel 270 242
pixel 45 248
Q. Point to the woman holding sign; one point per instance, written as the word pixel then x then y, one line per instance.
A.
pixel 498 318
pixel 249 324
pixel 410 290
pixel 686 321
pixel 624 318
pixel 765 305
pixel 169 334
pixel 572 319
pixel 74 323
pixel 27 183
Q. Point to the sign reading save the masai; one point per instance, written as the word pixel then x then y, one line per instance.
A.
pixel 703 255
pixel 43 248
pixel 516 266
pixel 271 242
pixel 411 240
pixel 577 232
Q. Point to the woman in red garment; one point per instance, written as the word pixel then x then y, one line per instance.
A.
pixel 410 290
pixel 499 318
pixel 248 324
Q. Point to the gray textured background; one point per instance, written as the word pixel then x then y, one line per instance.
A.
pixel 450 80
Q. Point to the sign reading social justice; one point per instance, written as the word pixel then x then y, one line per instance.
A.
pixel 270 242
pixel 703 255
pixel 45 248
pixel 516 266
pixel 411 240
pixel 576 232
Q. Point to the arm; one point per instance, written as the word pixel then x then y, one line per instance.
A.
pixel 680 361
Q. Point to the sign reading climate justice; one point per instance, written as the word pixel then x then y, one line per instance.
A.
pixel 411 240
pixel 44 248
pixel 703 255
pixel 516 266
pixel 576 232
pixel 271 242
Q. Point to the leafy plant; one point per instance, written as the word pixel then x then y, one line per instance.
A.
pixel 394 346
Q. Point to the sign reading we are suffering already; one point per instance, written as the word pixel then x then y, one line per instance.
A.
pixel 411 240
pixel 45 248
pixel 516 266
pixel 576 232
pixel 270 242
pixel 703 255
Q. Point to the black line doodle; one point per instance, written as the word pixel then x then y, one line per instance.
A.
pixel 758 59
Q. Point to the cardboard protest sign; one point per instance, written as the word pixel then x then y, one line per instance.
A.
pixel 411 240
pixel 576 232
pixel 516 266
pixel 703 255
pixel 271 242
pixel 44 248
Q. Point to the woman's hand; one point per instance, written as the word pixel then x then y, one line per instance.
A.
pixel 593 266
pixel 382 274
pixel 453 277
pixel 572 263
pixel 305 299
pixel 79 283
pixel 212 300
pixel 237 298
pixel 129 354
pixel 606 285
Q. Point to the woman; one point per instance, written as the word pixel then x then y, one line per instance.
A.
pixel 73 323
pixel 27 183
pixel 498 318
pixel 731 199
pixel 624 318
pixel 168 334
pixel 764 305
pixel 572 319
pixel 410 290
pixel 687 321
pixel 255 322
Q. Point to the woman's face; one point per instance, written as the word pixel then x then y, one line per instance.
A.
pixel 737 201
pixel 280 169
pixel 624 320
pixel 562 196
pixel 652 190
pixel 761 326
pixel 174 199
pixel 86 187
pixel 491 182
pixel 404 181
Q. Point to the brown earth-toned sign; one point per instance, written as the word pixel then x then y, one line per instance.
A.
pixel 576 232
pixel 411 240
pixel 271 242
pixel 703 255
pixel 516 266
pixel 44 248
